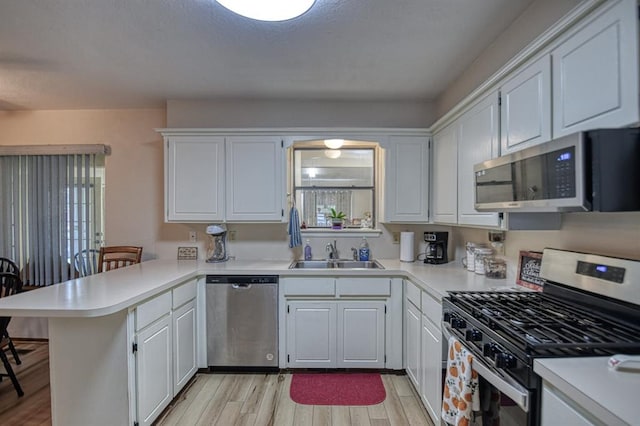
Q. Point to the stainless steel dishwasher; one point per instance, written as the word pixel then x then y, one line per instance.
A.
pixel 242 321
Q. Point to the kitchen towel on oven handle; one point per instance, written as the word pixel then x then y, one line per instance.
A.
pixel 460 395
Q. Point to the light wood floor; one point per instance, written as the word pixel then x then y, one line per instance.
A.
pixel 263 399
pixel 218 399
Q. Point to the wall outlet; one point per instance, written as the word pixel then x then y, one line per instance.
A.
pixel 396 237
pixel 232 235
pixel 193 236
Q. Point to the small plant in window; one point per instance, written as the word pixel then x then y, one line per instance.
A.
pixel 337 219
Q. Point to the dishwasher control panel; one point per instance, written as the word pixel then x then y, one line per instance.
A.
pixel 242 279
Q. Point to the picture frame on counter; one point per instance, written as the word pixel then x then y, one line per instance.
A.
pixel 529 270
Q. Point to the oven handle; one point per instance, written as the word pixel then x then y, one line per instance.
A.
pixel 506 385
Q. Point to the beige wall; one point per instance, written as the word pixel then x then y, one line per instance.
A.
pixel 538 17
pixel 134 170
pixel 289 113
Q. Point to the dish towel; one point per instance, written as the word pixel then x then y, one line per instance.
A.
pixel 295 237
pixel 460 397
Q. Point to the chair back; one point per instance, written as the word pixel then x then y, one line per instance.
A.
pixel 8 265
pixel 86 262
pixel 115 257
pixel 9 284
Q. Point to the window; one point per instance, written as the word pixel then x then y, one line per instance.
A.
pixel 51 209
pixel 340 179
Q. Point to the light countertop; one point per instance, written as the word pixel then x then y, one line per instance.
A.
pixel 609 395
pixel 113 291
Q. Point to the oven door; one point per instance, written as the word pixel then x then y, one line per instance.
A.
pixel 517 403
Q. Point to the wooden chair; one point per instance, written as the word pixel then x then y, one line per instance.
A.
pixel 8 265
pixel 118 256
pixel 86 262
pixel 9 284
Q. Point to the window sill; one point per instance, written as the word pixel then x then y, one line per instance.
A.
pixel 358 233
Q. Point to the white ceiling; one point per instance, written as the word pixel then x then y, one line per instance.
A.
pixel 134 53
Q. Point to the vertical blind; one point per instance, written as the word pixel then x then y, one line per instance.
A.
pixel 51 210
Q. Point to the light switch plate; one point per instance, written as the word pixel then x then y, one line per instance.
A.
pixel 187 253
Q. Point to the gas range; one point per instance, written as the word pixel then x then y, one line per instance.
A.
pixel 590 306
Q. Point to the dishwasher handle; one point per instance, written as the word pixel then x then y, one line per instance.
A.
pixel 244 286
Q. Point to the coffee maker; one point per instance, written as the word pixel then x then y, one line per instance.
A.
pixel 217 244
pixel 436 249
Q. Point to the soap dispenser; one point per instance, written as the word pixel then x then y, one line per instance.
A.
pixel 363 252
pixel 307 251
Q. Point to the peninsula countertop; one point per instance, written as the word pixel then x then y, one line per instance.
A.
pixel 609 395
pixel 112 291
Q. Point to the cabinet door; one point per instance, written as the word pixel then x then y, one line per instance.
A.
pixel 595 73
pixel 361 334
pixel 194 179
pixel 412 342
pixel 311 335
pixel 445 175
pixel 184 345
pixel 554 407
pixel 255 179
pixel 153 370
pixel 407 179
pixel 431 368
pixel 477 142
pixel 525 110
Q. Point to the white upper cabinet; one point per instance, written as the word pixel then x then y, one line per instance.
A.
pixel 595 72
pixel 477 142
pixel 194 178
pixel 407 179
pixel 525 118
pixel 445 175
pixel 255 178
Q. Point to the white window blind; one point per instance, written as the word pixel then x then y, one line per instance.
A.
pixel 51 209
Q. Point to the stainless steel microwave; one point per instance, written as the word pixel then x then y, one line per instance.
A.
pixel 598 170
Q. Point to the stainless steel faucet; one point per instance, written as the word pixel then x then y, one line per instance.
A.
pixel 332 250
pixel 354 251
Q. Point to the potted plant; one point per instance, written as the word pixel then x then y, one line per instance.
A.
pixel 337 219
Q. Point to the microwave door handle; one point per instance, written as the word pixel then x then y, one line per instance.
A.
pixel 504 384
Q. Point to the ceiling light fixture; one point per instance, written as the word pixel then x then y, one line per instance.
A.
pixel 334 143
pixel 332 153
pixel 268 10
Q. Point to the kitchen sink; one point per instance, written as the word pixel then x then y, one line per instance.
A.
pixel 336 264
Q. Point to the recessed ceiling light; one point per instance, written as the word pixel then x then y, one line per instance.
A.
pixel 333 143
pixel 268 10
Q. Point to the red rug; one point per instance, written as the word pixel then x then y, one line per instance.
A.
pixel 337 388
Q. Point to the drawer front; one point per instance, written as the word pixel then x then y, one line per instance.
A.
pixel 152 310
pixel 363 286
pixel 413 294
pixel 308 286
pixel 432 309
pixel 184 293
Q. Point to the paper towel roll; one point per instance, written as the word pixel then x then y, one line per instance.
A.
pixel 406 247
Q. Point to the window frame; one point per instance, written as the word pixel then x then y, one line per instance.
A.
pixel 373 188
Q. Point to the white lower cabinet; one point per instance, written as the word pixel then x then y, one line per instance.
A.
pixel 153 370
pixel 361 334
pixel 412 346
pixel 336 334
pixel 184 348
pixel 311 334
pixel 431 367
pixel 165 345
pixel 423 347
pixel 340 322
pixel 555 406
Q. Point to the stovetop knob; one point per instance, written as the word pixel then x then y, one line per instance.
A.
pixel 473 335
pixel 505 360
pixel 458 323
pixel 490 349
pixel 446 316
